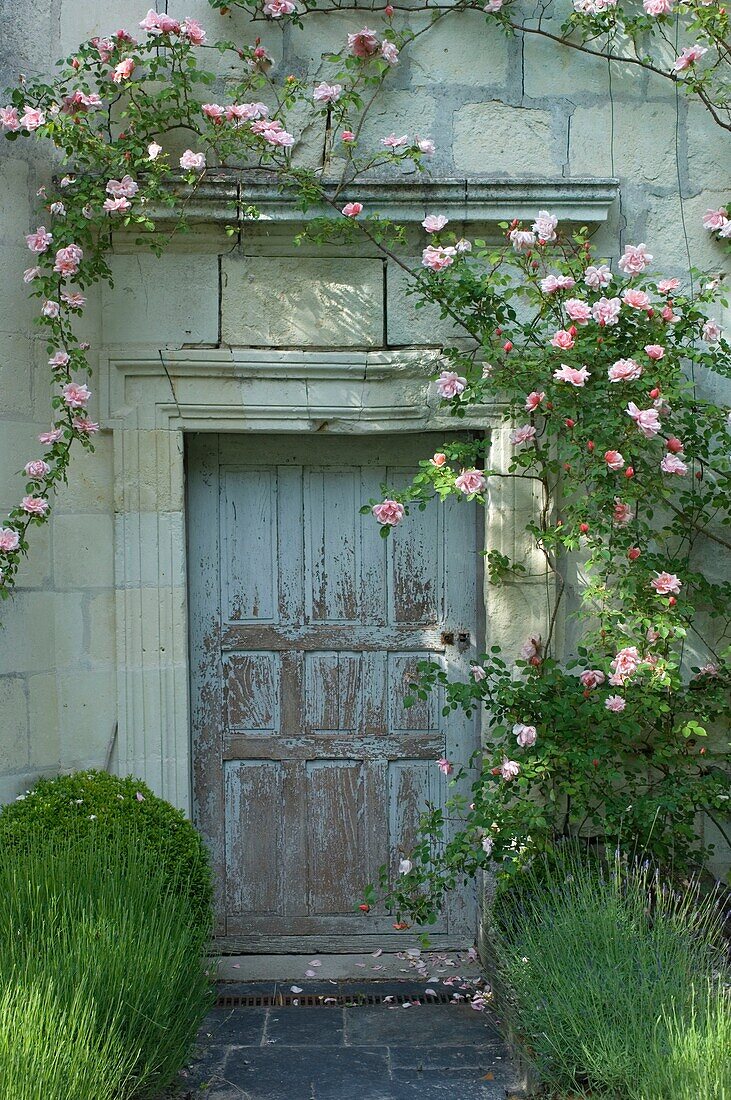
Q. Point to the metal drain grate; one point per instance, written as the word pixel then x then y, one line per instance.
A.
pixel 328 1000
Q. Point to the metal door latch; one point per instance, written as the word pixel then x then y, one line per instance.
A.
pixel 463 641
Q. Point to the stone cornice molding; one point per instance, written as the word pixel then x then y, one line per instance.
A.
pixel 580 201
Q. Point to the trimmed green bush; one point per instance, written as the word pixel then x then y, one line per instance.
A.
pixel 103 983
pixel 615 981
pixel 99 804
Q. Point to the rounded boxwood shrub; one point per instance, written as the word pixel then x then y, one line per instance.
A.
pixel 107 805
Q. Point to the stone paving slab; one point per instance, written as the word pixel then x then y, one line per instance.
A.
pixel 373 1053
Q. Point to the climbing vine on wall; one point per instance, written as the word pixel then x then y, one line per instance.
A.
pixel 593 366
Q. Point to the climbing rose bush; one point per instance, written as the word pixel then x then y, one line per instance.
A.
pixel 594 368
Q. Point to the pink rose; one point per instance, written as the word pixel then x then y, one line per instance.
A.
pixel 58 209
pixel 509 769
pixel 126 188
pixel 31 273
pixel 552 283
pixel 434 222
pixel 40 240
pixel 712 219
pixel 153 150
pixel 463 245
pixel 9 119
pixel 625 664
pixel 624 370
pixel 635 259
pixel 50 437
pixel 671 464
pixel 576 376
pixel 36 469
pixel 666 584
pixel 544 226
pixel 275 9
pixel 214 111
pixel 478 673
pixel 598 277
pixel 622 513
pixel 352 209
pixel 614 460
pixel 437 259
pixel 562 339
pixel 592 677
pixel 75 395
pixel 655 351
pixel 531 649
pixel 123 71
pixel 606 311
pixel 9 540
pixel 68 260
pixel 193 31
pixel 191 161
pixel 450 384
pixel 327 93
pixel 615 703
pixel 363 44
pixel 50 309
pixel 647 420
pixel 523 435
pixel 674 445
pixel 389 53
pixel 578 310
pixel 32 118
pixel 445 766
pixel 245 112
pixel 426 146
pixel 533 400
pixel 84 425
pixel 438 460
pixel 34 506
pixel 688 56
pixel 347 136
pixel 393 142
pixel 470 481
pixel 492 6
pixel 522 239
pixel 278 136
pixel 636 299
pixel 665 286
pixel 712 331
pixel 657 7
pixel 525 735
pixel 114 206
pixel 73 300
pixel 390 512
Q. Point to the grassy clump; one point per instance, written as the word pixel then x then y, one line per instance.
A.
pixel 97 804
pixel 102 979
pixel 617 984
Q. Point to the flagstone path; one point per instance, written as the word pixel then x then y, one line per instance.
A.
pixel 381 1052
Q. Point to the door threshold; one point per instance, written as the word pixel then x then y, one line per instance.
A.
pixel 338 968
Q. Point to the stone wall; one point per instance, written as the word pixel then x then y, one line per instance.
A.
pixel 494 107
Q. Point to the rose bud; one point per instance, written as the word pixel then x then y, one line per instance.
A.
pixel 508 346
pixel 535 662
pixel 590 446
pixel 567 467
pixel 674 445
pixel 654 394
pixel 629 472
pixel 698 475
pixel 535 265
pixel 584 528
pixel 364 908
pixel 498 332
pixel 595 762
pixel 569 422
pixel 633 553
pixel 672 601
pixel 573 330
pixel 388 10
pixel 549 405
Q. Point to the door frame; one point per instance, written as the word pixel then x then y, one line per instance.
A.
pixel 149 402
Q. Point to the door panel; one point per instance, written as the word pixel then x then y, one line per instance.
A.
pixel 306 630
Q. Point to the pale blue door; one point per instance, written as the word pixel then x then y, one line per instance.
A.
pixel 306 627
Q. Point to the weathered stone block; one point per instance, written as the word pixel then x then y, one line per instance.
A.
pixel 15 374
pixel 43 722
pixel 408 324
pixel 643 152
pixel 304 301
pixel 491 138
pixel 14 720
pixel 170 300
pixel 26 637
pixel 82 551
pixel 86 715
pixel 468 51
pixel 709 156
pixel 666 240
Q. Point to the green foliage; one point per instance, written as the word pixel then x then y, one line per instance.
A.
pixel 97 804
pixel 102 981
pixel 616 982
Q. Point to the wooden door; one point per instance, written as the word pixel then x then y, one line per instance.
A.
pixel 306 626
